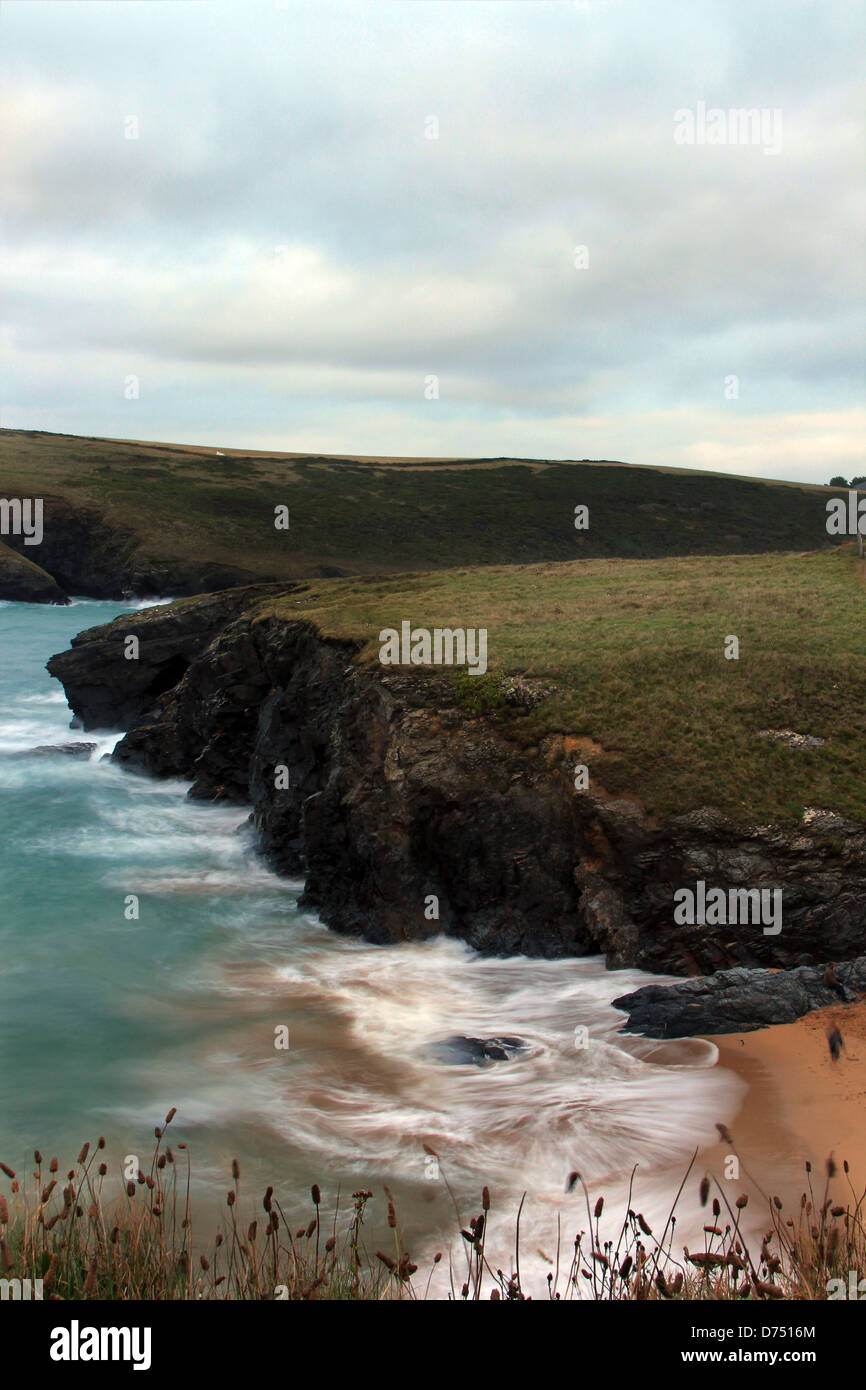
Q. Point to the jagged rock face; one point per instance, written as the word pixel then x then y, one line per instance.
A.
pixel 736 1001
pixel 85 553
pixel 820 868
pixel 422 803
pixel 106 689
pixel 23 581
pixel 395 797
pixel 386 805
pixel 80 550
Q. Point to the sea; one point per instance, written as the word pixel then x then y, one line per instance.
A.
pixel 149 959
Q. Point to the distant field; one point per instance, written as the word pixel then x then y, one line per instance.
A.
pixel 367 516
pixel 635 649
pixel 636 654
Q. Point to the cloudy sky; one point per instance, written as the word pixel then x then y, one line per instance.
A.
pixel 282 220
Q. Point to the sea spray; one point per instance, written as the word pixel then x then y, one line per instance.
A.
pixel 181 1006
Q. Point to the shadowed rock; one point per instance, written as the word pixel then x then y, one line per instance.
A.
pixel 22 580
pixel 83 552
pixel 108 691
pixel 736 1001
pixel 459 1050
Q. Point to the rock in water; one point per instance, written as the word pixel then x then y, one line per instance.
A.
pixel 66 750
pixel 459 1050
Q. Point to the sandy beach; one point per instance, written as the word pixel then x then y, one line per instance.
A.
pixel 800 1103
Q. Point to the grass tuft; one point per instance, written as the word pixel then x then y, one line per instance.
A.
pixel 84 1244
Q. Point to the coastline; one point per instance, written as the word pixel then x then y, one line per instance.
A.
pixel 775 1127
pixel 800 1104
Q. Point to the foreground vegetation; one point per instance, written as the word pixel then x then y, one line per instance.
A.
pixel 632 658
pixel 83 1245
pixel 363 516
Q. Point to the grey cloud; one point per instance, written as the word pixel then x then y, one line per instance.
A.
pixel 303 127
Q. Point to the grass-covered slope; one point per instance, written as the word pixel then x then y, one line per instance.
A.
pixel 635 650
pixel 363 516
pixel 636 655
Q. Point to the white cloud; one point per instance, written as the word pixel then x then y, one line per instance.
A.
pixel 282 249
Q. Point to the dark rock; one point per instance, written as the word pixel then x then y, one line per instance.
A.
pixel 67 750
pixel 736 1001
pixel 24 581
pixel 396 798
pixel 82 552
pixel 462 1051
pixel 182 578
pixel 107 690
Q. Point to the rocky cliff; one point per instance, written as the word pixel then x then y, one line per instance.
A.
pixel 25 582
pixel 410 816
pixel 88 554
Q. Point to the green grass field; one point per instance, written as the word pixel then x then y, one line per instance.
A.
pixel 373 517
pixel 636 653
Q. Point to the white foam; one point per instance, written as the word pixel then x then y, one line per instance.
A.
pixel 360 1090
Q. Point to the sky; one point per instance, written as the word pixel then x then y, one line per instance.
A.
pixel 441 229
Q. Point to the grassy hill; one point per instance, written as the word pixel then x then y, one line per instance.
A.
pixel 634 651
pixel 374 516
pixel 636 655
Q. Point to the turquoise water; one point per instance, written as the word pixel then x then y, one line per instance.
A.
pixel 96 1009
pixel 105 1023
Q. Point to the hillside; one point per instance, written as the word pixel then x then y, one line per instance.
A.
pixel 635 658
pixel 176 519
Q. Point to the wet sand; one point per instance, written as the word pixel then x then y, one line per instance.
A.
pixel 800 1103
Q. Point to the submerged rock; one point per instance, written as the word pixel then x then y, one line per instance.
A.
pixel 66 750
pixel 459 1050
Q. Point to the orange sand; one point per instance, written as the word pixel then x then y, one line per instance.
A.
pixel 798 1098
